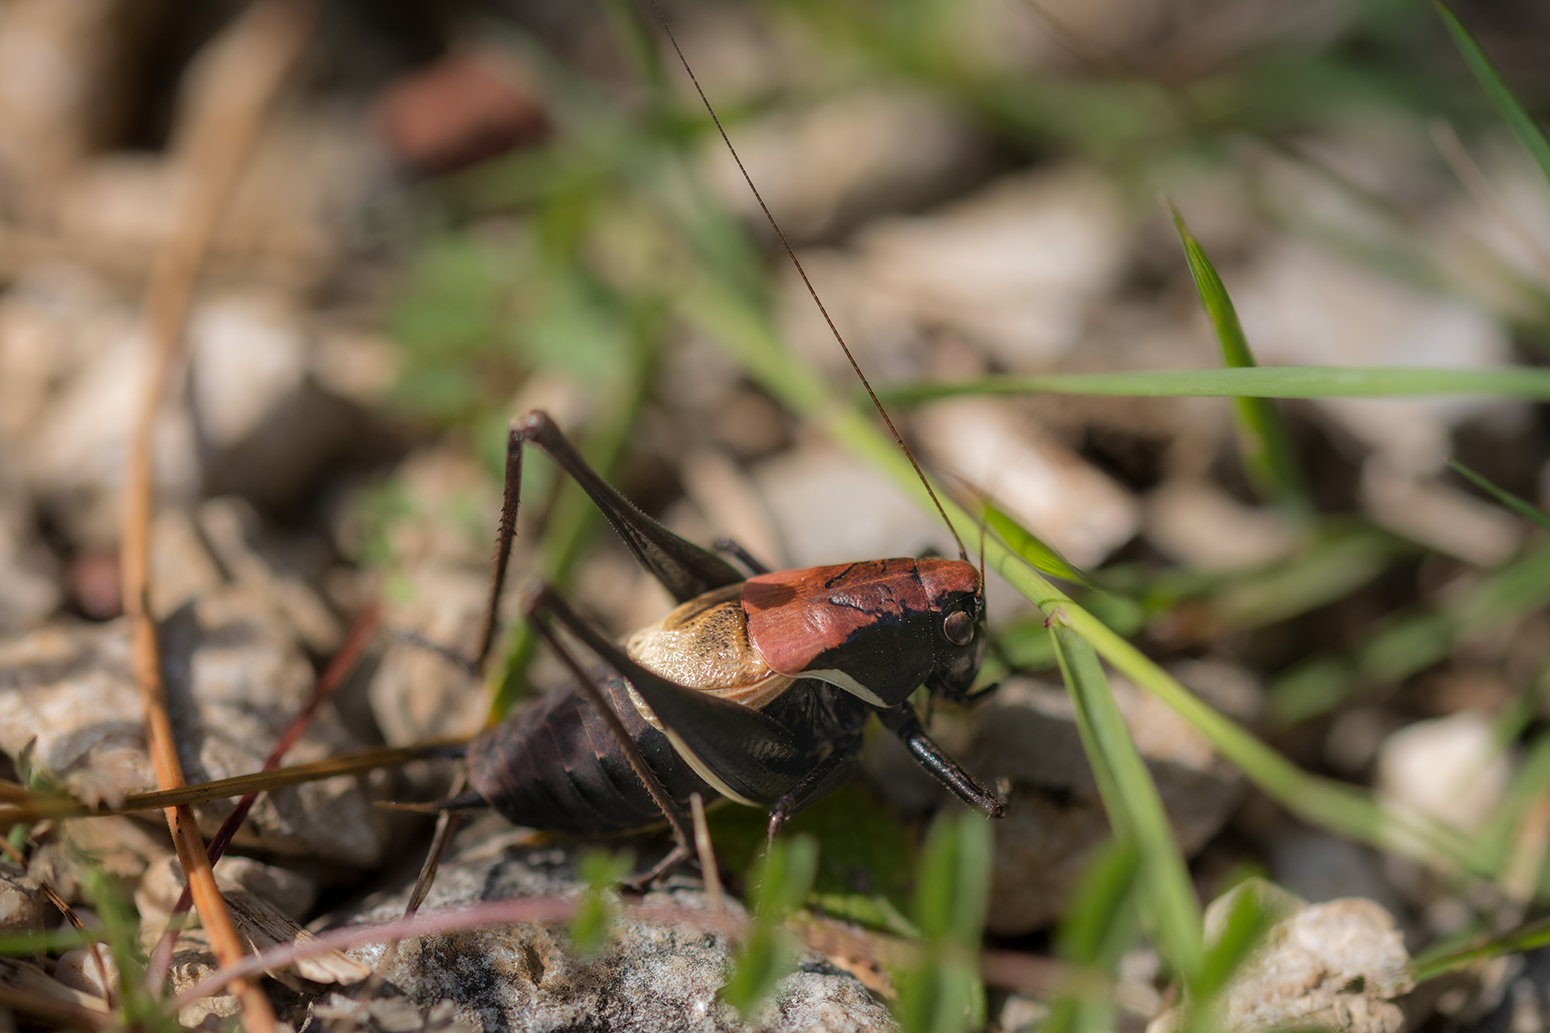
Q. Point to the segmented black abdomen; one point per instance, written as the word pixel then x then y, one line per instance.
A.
pixel 554 765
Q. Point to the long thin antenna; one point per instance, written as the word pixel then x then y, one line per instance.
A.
pixel 790 253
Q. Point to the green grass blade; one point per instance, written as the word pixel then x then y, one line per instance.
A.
pixel 1515 590
pixel 1312 687
pixel 942 992
pixel 1506 498
pixel 1132 801
pixel 1251 910
pixel 1268 456
pixel 1505 828
pixel 954 881
pixel 1516 941
pixel 139 1005
pixel 1237 924
pixel 1098 927
pixel 781 882
pixel 1250 382
pixel 591 928
pixel 1522 123
pixel 1044 558
pixel 23 944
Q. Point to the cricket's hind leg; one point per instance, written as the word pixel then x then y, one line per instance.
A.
pixel 683 568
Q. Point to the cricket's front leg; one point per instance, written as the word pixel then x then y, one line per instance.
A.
pixel 901 721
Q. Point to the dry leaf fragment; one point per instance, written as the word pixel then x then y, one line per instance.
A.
pixel 261 925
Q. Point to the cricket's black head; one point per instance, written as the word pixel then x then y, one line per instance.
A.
pixel 957 594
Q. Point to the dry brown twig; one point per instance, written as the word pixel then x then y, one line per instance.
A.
pixel 41 806
pixel 446 825
pixel 241 73
pixel 507 911
pixel 76 923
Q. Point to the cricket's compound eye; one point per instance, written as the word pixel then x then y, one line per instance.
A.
pixel 959 628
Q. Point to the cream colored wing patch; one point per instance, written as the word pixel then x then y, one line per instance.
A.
pixel 704 645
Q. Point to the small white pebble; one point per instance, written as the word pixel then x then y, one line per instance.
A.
pixel 1450 768
pixel 77 969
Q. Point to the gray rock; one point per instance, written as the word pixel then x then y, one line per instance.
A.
pixel 20 912
pixel 118 846
pixel 236 536
pixel 193 962
pixel 266 427
pixel 222 543
pixel 28 978
pixel 75 452
pixel 1364 317
pixel 415 694
pixel 800 487
pixel 53 319
pixel 1012 269
pixel 1338 965
pixel 1046 487
pixel 235 678
pixel 1513 995
pixel 1023 1015
pixel 650 977
pixel 1448 768
pixel 1055 817
pixel 390 1015
pixel 1202 527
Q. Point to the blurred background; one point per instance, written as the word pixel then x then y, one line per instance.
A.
pixel 461 211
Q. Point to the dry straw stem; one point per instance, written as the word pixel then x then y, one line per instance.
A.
pixel 241 73
pixel 509 911
pixel 702 846
pixel 80 927
pixel 36 806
